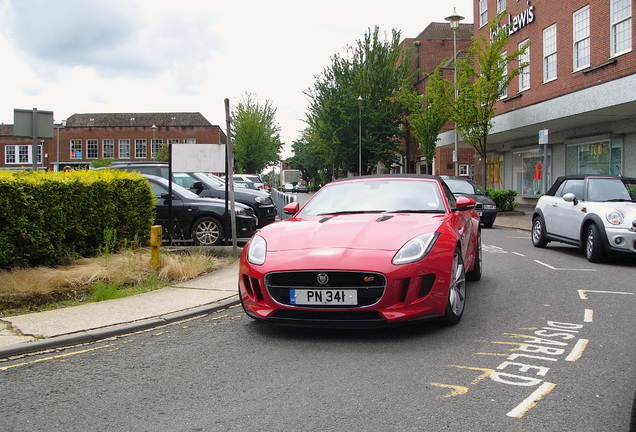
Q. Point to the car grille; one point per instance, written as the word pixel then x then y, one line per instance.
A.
pixel 369 286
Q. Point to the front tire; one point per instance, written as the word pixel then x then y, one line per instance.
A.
pixel 538 233
pixel 207 231
pixel 593 244
pixel 457 291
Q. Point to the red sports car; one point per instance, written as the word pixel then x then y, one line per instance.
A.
pixel 363 252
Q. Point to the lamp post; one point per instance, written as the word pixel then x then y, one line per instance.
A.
pixel 152 143
pixel 360 134
pixel 454 20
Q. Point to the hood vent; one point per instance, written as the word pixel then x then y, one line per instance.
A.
pixel 384 218
pixel 325 219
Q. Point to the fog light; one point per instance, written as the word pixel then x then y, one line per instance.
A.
pixel 619 240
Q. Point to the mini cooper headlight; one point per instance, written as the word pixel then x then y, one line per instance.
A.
pixel 257 250
pixel 490 206
pixel 415 249
pixel 614 217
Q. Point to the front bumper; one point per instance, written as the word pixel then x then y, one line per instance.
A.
pixel 408 292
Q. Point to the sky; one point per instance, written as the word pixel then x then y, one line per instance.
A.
pixel 96 56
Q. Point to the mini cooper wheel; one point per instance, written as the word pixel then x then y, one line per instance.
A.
pixel 538 233
pixel 593 244
pixel 207 231
pixel 457 291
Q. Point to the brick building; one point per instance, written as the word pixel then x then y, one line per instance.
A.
pixel 579 89
pixel 84 138
pixel 431 47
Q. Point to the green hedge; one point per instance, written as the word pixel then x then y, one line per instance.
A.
pixel 48 217
pixel 505 199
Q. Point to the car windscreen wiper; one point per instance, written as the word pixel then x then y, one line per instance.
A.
pixel 350 212
pixel 619 200
pixel 417 211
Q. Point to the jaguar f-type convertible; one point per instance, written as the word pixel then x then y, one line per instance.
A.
pixel 365 252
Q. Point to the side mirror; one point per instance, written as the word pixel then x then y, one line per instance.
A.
pixel 291 208
pixel 465 203
pixel 571 198
pixel 198 185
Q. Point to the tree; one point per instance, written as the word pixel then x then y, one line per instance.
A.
pixel 372 72
pixel 428 113
pixel 482 79
pixel 255 135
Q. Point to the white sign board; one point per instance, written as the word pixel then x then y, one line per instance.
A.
pixel 198 158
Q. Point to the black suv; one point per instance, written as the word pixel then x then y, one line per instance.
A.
pixel 207 186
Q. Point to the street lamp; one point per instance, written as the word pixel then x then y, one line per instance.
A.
pixel 454 20
pixel 152 143
pixel 360 134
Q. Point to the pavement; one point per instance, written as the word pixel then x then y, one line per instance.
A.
pixel 49 330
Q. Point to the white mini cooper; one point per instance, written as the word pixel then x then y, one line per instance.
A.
pixel 594 212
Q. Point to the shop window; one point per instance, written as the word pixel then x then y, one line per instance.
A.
pixel 494 168
pixel 528 171
pixel 596 157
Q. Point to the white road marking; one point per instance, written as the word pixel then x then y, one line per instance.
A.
pixel 583 295
pixel 589 315
pixel 531 400
pixel 577 351
pixel 566 269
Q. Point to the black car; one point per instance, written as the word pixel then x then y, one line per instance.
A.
pixel 202 221
pixel 486 207
pixel 208 186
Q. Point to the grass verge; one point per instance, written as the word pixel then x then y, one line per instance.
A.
pixel 105 277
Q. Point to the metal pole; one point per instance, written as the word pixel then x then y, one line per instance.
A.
pixel 34 143
pixel 455 85
pixel 229 176
pixel 360 139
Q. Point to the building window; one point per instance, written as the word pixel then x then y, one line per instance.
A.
pixel 504 76
pixel 494 169
pixel 9 154
pixel 124 149
pixel 621 26
pixel 524 62
pixel 173 140
pixel 141 151
pixel 156 146
pixel 483 12
pixel 528 172
pixel 92 149
pixel 601 156
pixel 76 149
pixel 581 28
pixel 108 149
pixel 501 6
pixel 190 141
pixel 464 170
pixel 21 154
pixel 549 54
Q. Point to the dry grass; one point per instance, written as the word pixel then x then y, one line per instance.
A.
pixel 41 285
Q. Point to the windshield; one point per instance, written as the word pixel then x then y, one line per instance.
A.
pixel 376 196
pixel 605 189
pixel 464 187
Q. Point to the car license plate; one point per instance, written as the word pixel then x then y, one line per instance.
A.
pixel 323 297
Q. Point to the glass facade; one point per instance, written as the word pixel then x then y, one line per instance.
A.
pixel 528 172
pixel 598 157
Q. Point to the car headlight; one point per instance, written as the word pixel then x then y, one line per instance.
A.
pixel 415 249
pixel 261 200
pixel 257 250
pixel 614 217
pixel 490 206
pixel 240 211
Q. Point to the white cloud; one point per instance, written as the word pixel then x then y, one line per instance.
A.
pixel 74 56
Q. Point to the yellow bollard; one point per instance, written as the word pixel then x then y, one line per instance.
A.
pixel 155 244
